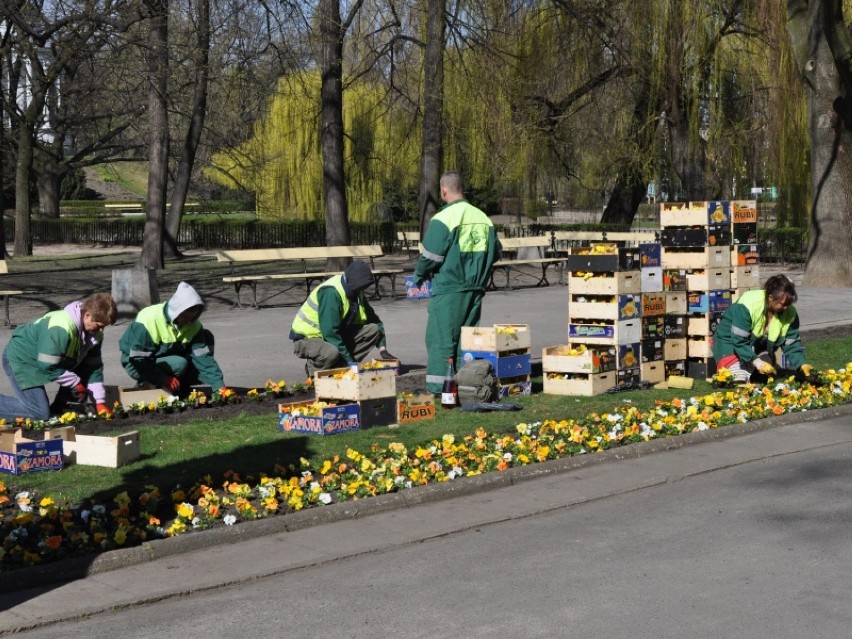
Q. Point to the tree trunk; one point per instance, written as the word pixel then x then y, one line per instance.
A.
pixel 23 241
pixel 830 236
pixel 193 135
pixel 331 132
pixel 48 182
pixel 433 107
pixel 158 136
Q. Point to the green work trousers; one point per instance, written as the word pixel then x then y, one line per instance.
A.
pixel 448 312
pixel 321 355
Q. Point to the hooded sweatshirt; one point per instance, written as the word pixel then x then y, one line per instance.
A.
pixel 153 335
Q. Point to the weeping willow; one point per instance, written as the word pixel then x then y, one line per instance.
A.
pixel 282 161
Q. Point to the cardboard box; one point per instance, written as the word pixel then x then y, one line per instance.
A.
pixel 674 326
pixel 702 324
pixel 606 283
pixel 696 258
pixel 504 365
pixel 653 327
pixel 96 450
pixel 712 235
pixel 699 347
pixel 701 368
pixel 710 279
pixel 674 349
pixel 628 355
pixel 584 258
pixel 342 384
pixel 651 279
pixel 606 332
pixel 745 255
pixel 499 337
pixel 745 276
pixel 512 387
pixel 675 368
pixel 744 233
pixel 744 211
pixel 579 384
pixel 381 411
pixel 653 304
pixel 566 358
pixel 625 376
pixel 676 302
pixel 708 301
pixel 414 407
pixel 650 254
pixel 19 455
pixel 652 372
pixel 414 292
pixel 652 350
pixel 330 421
pixel 674 279
pixel 609 307
pixel 128 396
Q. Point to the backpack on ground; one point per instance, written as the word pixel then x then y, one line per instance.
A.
pixel 477 383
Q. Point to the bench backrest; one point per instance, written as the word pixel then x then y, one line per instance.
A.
pixel 4 268
pixel 408 236
pixel 303 253
pixel 633 237
pixel 513 243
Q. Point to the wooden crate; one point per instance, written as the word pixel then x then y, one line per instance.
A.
pixel 497 338
pixel 343 384
pixel 676 302
pixel 606 332
pixel 702 325
pixel 613 283
pixel 745 276
pixel 97 450
pixel 653 372
pixel 592 359
pixel 699 347
pixel 611 307
pixel 651 279
pixel 709 280
pixel 580 384
pixel 695 258
pixel 675 349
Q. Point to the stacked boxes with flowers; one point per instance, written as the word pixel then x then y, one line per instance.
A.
pixel 604 323
pixel 507 347
pixel 744 251
pixel 696 240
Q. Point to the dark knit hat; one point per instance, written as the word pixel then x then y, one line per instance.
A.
pixel 358 275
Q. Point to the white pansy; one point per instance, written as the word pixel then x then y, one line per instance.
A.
pixel 229 520
pixel 702 426
pixel 98 509
pixel 325 498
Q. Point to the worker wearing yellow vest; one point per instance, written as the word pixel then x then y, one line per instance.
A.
pixel 760 322
pixel 336 326
pixel 459 249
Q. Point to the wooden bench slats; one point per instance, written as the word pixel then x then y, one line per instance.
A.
pixel 8 293
pixel 301 256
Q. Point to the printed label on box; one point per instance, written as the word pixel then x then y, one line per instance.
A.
pixel 414 292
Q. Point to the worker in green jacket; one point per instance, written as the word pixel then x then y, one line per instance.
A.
pixel 759 323
pixel 166 346
pixel 336 326
pixel 459 249
pixel 63 346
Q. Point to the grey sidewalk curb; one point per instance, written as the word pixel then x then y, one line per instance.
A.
pixel 76 568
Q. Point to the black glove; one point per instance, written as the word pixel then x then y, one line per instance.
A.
pixel 386 354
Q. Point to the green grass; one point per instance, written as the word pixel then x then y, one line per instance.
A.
pixel 133 176
pixel 180 455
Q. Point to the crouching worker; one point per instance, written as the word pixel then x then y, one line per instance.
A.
pixel 64 347
pixel 167 347
pixel 336 326
pixel 754 327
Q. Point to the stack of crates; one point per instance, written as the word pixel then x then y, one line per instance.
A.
pixel 744 252
pixel 652 368
pixel 507 347
pixel 696 239
pixel 372 389
pixel 604 323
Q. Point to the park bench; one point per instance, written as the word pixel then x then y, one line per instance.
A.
pixel 409 241
pixel 305 260
pixel 528 251
pixel 564 240
pixel 123 207
pixel 7 293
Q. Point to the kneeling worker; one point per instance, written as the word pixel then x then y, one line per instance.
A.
pixel 336 326
pixel 167 347
pixel 758 323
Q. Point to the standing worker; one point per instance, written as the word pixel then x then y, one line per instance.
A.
pixel 64 347
pixel 458 252
pixel 754 327
pixel 167 347
pixel 336 326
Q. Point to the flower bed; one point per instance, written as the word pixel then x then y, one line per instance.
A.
pixel 37 529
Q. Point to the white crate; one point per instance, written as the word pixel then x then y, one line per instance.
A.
pixel 343 384
pixel 745 276
pixel 674 349
pixel 606 283
pixel 709 280
pixel 97 450
pixel 699 347
pixel 676 302
pixel 606 332
pixel 497 338
pixel 579 384
pixel 651 279
pixel 560 359
pixel 695 258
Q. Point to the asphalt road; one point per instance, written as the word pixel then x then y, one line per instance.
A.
pixel 746 537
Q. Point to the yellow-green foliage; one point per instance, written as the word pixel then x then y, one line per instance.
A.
pixel 282 161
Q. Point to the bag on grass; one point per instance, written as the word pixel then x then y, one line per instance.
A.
pixel 477 383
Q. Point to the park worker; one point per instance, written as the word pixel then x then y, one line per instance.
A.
pixel 63 346
pixel 166 346
pixel 754 327
pixel 459 249
pixel 336 326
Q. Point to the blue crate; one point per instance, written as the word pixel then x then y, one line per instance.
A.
pixel 505 365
